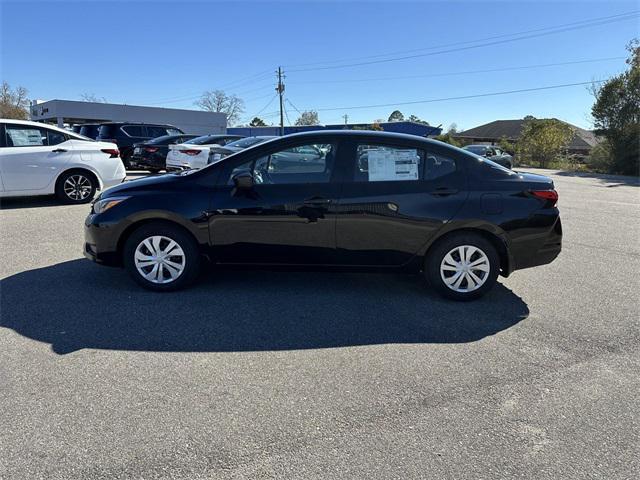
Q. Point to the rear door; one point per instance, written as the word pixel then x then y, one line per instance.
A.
pixel 33 156
pixel 395 197
pixel 288 217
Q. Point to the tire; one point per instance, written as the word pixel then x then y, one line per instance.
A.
pixel 76 187
pixel 483 256
pixel 145 242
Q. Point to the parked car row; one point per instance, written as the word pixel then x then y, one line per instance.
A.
pixel 126 134
pixel 194 154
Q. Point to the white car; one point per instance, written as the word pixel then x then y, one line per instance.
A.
pixel 194 154
pixel 39 159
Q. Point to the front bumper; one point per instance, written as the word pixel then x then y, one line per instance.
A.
pixel 101 241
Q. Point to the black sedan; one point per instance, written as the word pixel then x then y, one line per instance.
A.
pixel 152 154
pixel 366 199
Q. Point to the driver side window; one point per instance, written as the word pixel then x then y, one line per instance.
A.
pixel 308 163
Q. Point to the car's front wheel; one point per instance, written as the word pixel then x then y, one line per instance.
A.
pixel 463 266
pixel 161 257
pixel 76 187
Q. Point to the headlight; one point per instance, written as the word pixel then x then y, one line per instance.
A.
pixel 105 204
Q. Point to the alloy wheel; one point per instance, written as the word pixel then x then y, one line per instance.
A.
pixel 465 268
pixel 77 187
pixel 159 259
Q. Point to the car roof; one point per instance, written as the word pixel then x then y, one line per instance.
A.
pixel 360 133
pixel 138 123
pixel 38 124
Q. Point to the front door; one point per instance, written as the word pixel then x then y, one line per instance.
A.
pixel 394 199
pixel 32 157
pixel 288 217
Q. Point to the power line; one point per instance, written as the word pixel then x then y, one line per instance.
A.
pixel 523 36
pixel 192 96
pixel 463 97
pixel 493 37
pixel 467 72
pixel 294 107
pixel 263 108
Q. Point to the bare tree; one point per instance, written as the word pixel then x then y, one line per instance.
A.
pixel 13 102
pixel 219 101
pixel 91 97
pixel 308 118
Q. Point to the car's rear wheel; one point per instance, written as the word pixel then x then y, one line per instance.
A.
pixel 161 257
pixel 76 187
pixel 462 266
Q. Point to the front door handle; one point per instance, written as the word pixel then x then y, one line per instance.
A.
pixel 317 201
pixel 444 191
pixel 59 150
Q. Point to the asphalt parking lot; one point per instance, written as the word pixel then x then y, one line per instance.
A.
pixel 260 374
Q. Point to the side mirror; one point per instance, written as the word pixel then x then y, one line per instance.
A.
pixel 243 181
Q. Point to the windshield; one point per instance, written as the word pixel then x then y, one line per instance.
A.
pixel 201 140
pixel 246 142
pixel 485 162
pixel 477 149
pixel 161 140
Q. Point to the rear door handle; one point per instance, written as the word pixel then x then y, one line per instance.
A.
pixel 444 191
pixel 59 150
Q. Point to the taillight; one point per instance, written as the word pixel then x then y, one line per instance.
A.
pixel 151 149
pixel 113 152
pixel 548 195
pixel 190 152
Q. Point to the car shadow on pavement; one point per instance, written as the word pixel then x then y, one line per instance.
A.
pixel 77 304
pixel 12 203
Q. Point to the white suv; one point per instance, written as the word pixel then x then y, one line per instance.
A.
pixel 39 159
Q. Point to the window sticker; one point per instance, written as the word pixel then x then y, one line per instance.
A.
pixel 386 165
pixel 25 138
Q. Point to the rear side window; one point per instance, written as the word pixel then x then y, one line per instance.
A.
pixel 437 166
pixel 135 130
pixel 385 163
pixel 154 132
pixel 54 138
pixel 107 131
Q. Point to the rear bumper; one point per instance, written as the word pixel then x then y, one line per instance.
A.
pixel 539 249
pixel 147 162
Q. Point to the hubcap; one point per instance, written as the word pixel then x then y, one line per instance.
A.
pixel 159 259
pixel 465 269
pixel 77 187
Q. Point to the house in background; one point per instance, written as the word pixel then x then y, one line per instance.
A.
pixel 491 133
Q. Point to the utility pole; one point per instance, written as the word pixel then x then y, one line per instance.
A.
pixel 280 90
pixel 346 119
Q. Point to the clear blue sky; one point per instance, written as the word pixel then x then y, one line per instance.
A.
pixel 167 53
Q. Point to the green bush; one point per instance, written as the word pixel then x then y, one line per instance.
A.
pixel 601 159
